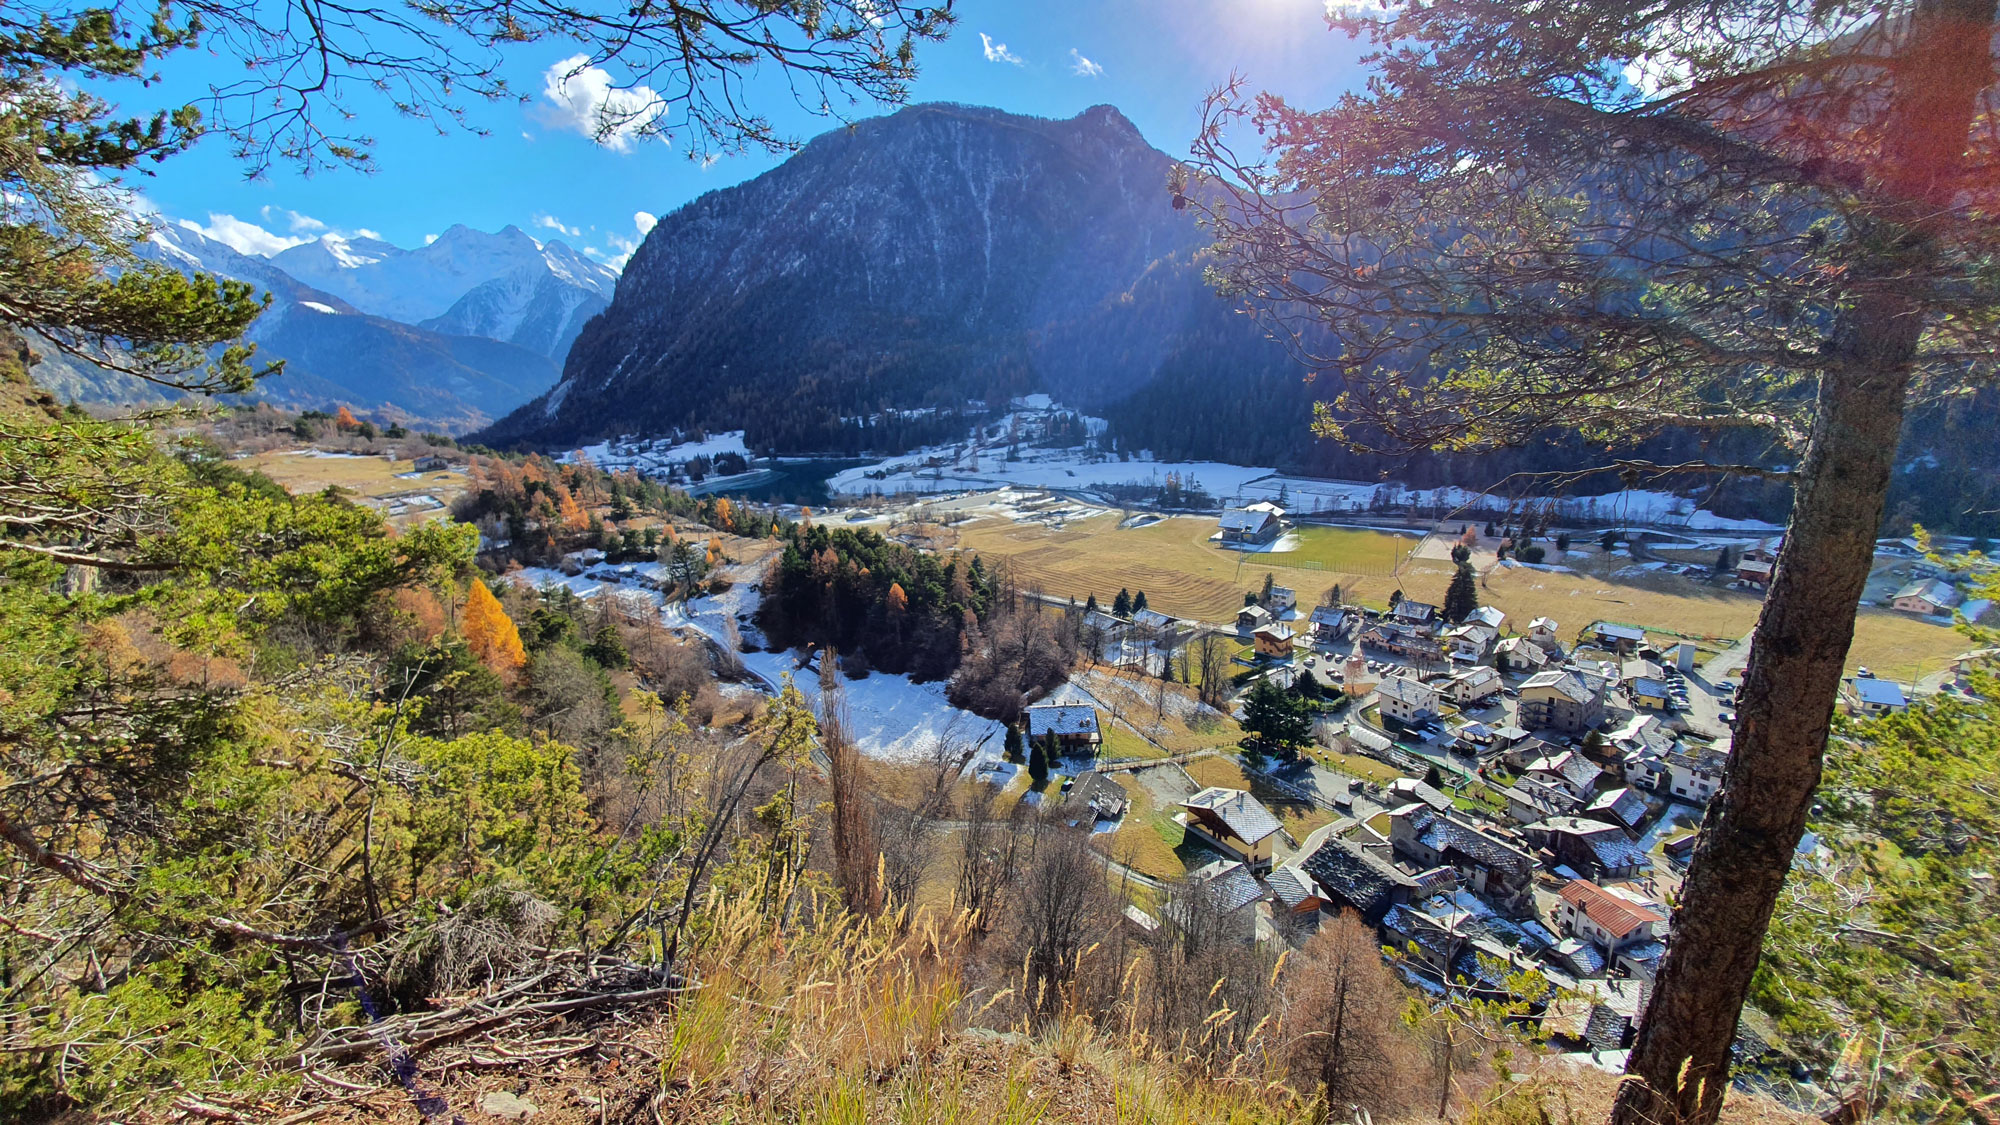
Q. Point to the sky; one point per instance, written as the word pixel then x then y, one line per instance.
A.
pixel 534 166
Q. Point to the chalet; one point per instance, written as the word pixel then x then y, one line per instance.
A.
pixel 1691 773
pixel 1251 617
pixel 431 464
pixel 1930 597
pixel 1568 770
pixel 1472 687
pixel 1296 899
pixel 1488 616
pixel 1249 526
pixel 1756 572
pixel 1520 654
pixel 1226 890
pixel 1406 641
pixel 1406 700
pixel 1329 623
pixel 1621 639
pixel 1531 799
pixel 1590 847
pixel 1281 600
pixel 1349 877
pixel 1097 792
pixel 1502 872
pixel 1470 641
pixel 1273 640
pixel 1650 693
pixel 1542 631
pixel 1233 822
pixel 1613 922
pixel 1560 700
pixel 1415 613
pixel 1074 726
pixel 1156 621
pixel 1867 695
pixel 1765 549
pixel 1625 807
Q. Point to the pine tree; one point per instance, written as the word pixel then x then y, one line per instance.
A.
pixel 1038 761
pixel 1090 606
pixel 490 633
pixel 1121 606
pixel 1138 601
pixel 1462 596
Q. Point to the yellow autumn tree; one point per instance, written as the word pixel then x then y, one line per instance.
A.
pixel 490 633
pixel 346 419
pixel 574 518
pixel 724 517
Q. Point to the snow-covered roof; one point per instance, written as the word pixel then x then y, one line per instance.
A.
pixel 1243 519
pixel 1069 720
pixel 1409 692
pixel 1879 693
pixel 1618 632
pixel 1935 591
pixel 1564 682
pixel 1277 631
pixel 1487 615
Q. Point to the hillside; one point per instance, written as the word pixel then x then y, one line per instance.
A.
pixel 913 262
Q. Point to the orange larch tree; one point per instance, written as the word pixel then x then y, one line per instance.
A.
pixel 490 633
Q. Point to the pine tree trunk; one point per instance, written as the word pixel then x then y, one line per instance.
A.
pixel 1800 645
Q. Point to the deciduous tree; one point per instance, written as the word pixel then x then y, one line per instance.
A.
pixel 490 633
pixel 1757 220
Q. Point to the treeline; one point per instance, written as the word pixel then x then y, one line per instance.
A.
pixel 542 509
pixel 892 607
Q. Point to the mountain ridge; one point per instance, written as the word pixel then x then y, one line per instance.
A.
pixel 911 262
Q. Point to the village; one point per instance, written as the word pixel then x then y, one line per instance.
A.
pixel 1494 794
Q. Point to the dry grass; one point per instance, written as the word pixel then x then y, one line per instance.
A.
pixel 363 476
pixel 1185 575
pixel 1299 817
pixel 834 1021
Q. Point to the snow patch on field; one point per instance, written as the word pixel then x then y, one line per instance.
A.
pixel 889 716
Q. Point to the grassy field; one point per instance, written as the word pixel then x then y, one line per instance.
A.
pixel 1184 574
pixel 1339 550
pixel 363 476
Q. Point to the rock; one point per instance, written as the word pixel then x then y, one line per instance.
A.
pixel 506 1106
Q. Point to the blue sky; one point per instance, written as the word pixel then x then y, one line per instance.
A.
pixel 535 168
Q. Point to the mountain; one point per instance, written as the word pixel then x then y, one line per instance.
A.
pixel 334 351
pixel 909 263
pixel 435 279
pixel 540 305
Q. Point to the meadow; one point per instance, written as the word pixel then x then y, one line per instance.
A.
pixel 1185 575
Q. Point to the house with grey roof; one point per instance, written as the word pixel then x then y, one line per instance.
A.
pixel 1352 878
pixel 1073 725
pixel 1406 700
pixel 1234 823
pixel 1591 848
pixel 1498 870
pixel 1562 700
pixel 1249 526
pixel 1928 596
pixel 1624 806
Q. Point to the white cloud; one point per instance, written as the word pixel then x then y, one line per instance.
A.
pixel 619 246
pixel 1083 67
pixel 430 238
pixel 552 223
pixel 1363 9
pixel 364 232
pixel 241 235
pixel 585 98
pixel 998 52
pixel 295 222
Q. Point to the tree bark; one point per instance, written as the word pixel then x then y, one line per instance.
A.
pixel 1801 640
